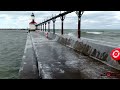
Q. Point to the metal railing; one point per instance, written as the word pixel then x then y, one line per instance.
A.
pixel 62 17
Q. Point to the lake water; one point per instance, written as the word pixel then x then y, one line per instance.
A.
pixel 12 43
pixel 107 35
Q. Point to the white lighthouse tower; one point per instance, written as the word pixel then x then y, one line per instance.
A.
pixel 32 24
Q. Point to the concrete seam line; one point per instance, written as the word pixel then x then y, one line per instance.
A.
pixel 36 61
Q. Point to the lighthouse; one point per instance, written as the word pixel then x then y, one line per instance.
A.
pixel 32 24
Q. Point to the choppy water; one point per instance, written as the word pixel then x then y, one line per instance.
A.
pixel 107 35
pixel 12 45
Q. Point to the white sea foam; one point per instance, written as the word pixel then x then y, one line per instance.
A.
pixel 70 34
pixel 95 32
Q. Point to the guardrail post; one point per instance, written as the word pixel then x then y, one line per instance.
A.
pixel 45 27
pixel 79 14
pixel 48 26
pixel 41 26
pixel 62 19
pixel 54 25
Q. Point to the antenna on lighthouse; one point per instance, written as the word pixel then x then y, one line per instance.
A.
pixel 32 16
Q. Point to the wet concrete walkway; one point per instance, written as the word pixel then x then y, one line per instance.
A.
pixel 56 61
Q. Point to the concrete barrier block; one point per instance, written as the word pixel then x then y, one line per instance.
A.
pixel 99 51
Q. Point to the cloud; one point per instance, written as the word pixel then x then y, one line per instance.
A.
pixel 5 16
pixel 89 19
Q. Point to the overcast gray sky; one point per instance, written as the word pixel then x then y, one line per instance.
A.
pixel 90 19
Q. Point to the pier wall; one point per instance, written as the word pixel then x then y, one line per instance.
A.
pixel 98 50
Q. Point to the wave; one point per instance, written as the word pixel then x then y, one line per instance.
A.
pixel 95 32
pixel 71 34
pixel 74 34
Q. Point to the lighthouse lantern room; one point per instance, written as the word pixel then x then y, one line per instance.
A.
pixel 32 24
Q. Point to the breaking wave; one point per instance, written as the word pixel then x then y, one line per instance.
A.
pixel 94 32
pixel 71 34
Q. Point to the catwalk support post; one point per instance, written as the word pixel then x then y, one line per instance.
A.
pixel 48 26
pixel 79 14
pixel 54 25
pixel 62 19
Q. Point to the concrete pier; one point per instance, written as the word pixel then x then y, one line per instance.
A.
pixel 28 69
pixel 56 57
